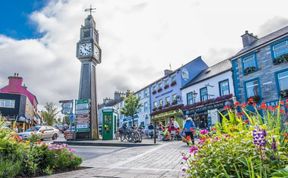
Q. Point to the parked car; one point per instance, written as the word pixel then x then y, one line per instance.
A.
pixel 44 132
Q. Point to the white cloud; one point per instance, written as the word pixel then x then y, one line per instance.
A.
pixel 139 39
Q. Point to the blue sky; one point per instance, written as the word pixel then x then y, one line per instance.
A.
pixel 14 18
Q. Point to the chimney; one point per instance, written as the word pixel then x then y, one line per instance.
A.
pixel 248 39
pixel 167 72
pixel 15 80
pixel 117 95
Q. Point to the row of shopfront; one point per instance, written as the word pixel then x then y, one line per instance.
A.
pixel 204 114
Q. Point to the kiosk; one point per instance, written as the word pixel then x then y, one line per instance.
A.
pixel 109 124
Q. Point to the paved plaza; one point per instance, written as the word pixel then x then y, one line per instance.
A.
pixel 157 161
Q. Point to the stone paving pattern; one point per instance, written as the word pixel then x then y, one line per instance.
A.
pixel 159 161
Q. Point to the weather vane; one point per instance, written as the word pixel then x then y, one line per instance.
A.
pixel 90 9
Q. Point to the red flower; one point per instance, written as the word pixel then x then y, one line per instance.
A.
pixel 243 105
pixel 246 121
pixel 213 129
pixel 191 129
pixel 282 111
pixel 237 103
pixel 281 102
pixel 227 107
pixel 271 108
pixel 263 106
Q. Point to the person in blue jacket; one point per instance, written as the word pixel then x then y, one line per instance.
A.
pixel 189 127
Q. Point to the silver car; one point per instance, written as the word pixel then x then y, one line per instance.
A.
pixel 44 132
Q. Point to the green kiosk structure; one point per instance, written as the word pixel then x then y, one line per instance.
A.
pixel 109 124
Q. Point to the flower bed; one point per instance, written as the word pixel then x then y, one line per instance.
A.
pixel 255 147
pixel 33 158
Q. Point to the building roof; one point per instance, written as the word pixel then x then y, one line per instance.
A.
pixel 210 72
pixel 172 73
pixel 15 87
pixel 276 34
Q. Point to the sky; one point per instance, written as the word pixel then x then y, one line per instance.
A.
pixel 139 39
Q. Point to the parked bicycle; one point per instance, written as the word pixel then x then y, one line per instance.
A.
pixel 130 134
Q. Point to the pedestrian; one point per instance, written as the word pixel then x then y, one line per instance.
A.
pixel 189 127
pixel 173 127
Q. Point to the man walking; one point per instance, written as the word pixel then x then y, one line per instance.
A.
pixel 189 128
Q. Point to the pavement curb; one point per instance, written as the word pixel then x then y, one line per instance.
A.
pixel 87 143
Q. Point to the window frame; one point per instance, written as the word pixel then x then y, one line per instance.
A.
pixel 219 84
pixel 276 43
pixel 255 59
pixel 201 93
pixel 11 102
pixel 277 81
pixel 259 87
pixel 192 97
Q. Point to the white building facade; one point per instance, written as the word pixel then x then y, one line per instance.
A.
pixel 208 93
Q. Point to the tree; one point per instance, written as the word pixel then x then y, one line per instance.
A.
pixel 49 115
pixel 131 106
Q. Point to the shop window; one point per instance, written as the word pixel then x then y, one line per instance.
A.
pixel 203 94
pixel 249 64
pixel 282 78
pixel 4 103
pixel 224 87
pixel 252 89
pixel 190 98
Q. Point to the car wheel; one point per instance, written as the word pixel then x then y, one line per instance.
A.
pixel 54 137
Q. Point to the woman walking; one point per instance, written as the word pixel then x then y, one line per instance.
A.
pixel 189 128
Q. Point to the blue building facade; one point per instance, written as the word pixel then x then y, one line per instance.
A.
pixel 260 69
pixel 166 98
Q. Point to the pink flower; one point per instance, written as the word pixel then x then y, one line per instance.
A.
pixel 185 158
pixel 204 131
pixel 193 149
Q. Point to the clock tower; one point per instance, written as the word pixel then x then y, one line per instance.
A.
pixel 89 54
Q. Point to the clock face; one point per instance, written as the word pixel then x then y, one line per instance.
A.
pixel 85 49
pixel 185 74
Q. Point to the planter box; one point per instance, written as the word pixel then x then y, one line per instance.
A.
pixel 281 59
pixel 249 70
pixel 255 99
pixel 166 86
pixel 159 90
pixel 284 93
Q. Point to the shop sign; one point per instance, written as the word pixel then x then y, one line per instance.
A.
pixel 207 107
pixel 67 106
